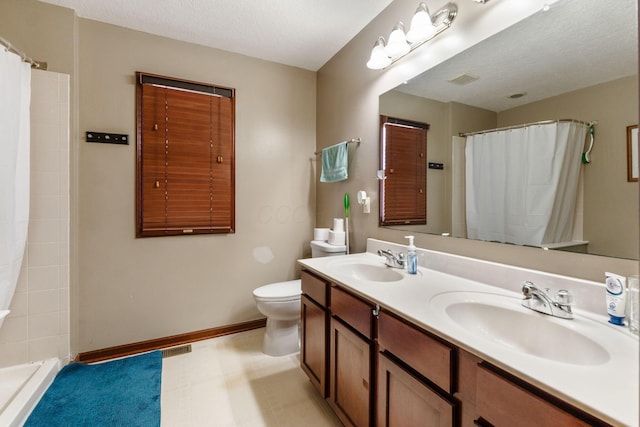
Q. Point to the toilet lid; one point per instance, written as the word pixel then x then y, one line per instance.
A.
pixel 281 291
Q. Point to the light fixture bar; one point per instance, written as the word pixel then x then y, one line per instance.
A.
pixel 441 19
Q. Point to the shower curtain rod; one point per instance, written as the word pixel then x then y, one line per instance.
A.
pixel 351 141
pixel 40 65
pixel 544 122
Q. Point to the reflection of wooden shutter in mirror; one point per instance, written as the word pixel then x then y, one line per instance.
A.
pixel 186 160
pixel 404 193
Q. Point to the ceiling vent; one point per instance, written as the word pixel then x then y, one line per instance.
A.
pixel 463 79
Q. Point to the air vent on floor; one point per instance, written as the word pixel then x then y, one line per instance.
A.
pixel 463 79
pixel 175 351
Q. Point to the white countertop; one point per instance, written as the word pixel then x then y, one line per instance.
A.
pixel 608 390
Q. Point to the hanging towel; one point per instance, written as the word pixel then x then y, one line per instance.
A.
pixel 334 163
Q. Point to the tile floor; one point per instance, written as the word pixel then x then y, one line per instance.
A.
pixel 228 381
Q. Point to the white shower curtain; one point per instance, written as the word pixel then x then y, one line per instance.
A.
pixel 522 183
pixel 15 96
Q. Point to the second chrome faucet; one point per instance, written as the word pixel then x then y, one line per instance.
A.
pixel 540 300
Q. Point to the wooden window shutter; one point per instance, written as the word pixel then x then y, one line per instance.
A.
pixel 403 157
pixel 186 164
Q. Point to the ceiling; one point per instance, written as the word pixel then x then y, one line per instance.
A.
pixel 300 33
pixel 576 44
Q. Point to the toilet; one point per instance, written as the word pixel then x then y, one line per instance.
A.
pixel 280 303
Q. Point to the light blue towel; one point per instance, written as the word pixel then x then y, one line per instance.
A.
pixel 334 163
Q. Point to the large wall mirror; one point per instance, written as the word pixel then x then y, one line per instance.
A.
pixel 577 60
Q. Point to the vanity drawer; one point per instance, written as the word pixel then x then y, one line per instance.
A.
pixel 428 356
pixel 501 402
pixel 315 287
pixel 352 310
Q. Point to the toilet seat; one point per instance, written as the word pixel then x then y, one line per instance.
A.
pixel 279 292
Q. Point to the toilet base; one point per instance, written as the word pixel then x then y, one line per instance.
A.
pixel 281 337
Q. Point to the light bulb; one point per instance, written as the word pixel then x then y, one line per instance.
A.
pixel 379 58
pixel 397 45
pixel 422 27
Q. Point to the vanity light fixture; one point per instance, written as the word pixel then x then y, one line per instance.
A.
pixel 424 27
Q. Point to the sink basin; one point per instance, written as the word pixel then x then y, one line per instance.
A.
pixel 501 319
pixel 368 271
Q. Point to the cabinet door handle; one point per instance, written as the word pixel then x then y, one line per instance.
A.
pixel 376 311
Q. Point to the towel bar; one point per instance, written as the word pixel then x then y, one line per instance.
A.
pixel 351 141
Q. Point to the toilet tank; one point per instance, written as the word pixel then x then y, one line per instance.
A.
pixel 320 248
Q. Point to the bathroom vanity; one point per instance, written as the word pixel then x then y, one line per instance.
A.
pixel 443 348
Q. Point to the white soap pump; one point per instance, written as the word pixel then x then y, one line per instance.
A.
pixel 412 256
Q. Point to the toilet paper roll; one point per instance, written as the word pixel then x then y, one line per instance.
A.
pixel 337 238
pixel 338 224
pixel 321 234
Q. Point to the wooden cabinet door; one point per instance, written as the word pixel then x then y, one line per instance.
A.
pixel 350 377
pixel 404 401
pixel 313 343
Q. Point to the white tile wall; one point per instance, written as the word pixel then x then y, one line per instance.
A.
pixel 38 326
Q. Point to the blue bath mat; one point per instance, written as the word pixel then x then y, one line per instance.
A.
pixel 124 392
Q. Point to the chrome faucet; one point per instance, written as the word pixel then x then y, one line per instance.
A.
pixel 539 300
pixel 393 260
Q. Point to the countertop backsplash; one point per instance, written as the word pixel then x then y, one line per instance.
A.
pixel 588 295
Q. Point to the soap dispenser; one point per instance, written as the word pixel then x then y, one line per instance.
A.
pixel 412 256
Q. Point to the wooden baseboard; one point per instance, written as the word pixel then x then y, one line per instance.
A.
pixel 172 341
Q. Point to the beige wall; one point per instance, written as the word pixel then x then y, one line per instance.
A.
pixel 45 32
pixel 608 195
pixel 136 289
pixel 348 106
pixel 125 289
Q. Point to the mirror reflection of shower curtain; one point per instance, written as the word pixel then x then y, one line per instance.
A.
pixel 15 96
pixel 521 184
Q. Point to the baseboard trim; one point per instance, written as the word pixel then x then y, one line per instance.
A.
pixel 171 341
